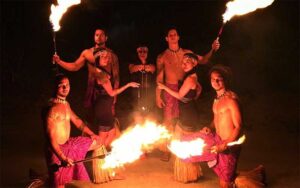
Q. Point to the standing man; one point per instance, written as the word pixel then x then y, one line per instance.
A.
pixel 169 71
pixel 88 56
pixel 60 147
pixel 227 124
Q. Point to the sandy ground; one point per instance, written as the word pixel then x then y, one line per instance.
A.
pixel 271 127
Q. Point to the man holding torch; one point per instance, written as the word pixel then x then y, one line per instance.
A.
pixel 227 123
pixel 169 71
pixel 61 149
pixel 88 56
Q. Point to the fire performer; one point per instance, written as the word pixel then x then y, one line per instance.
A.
pixel 142 71
pixel 169 71
pixel 61 148
pixel 104 118
pixel 227 123
pixel 88 56
pixel 188 116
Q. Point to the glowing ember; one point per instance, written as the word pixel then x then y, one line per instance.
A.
pixel 58 10
pixel 241 7
pixel 239 141
pixel 186 149
pixel 129 147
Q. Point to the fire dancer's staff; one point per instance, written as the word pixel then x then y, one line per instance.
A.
pixel 143 89
pixel 55 167
pixel 61 148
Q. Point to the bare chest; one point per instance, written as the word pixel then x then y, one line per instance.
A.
pixel 220 107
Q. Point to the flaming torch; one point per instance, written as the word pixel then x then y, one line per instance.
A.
pixel 57 12
pixel 241 7
pixel 129 147
pixel 199 147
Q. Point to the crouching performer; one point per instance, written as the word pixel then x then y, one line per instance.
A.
pixel 227 124
pixel 61 149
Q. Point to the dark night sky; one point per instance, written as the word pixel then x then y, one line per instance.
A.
pixel 262 48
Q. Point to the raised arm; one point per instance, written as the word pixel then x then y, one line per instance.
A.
pixel 214 47
pixel 71 66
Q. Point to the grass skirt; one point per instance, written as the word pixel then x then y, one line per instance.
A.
pixel 101 175
pixel 185 172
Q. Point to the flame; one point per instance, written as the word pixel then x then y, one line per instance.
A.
pixel 239 141
pixel 129 147
pixel 58 10
pixel 186 149
pixel 240 7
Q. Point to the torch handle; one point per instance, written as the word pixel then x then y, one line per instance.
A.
pixel 55 167
pixel 54 44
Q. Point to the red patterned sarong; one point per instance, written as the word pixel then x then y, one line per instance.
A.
pixel 75 148
pixel 171 109
pixel 227 162
pixel 224 164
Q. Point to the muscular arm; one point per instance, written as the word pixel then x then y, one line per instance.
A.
pixel 80 124
pixel 52 134
pixel 235 114
pixel 214 47
pixel 72 66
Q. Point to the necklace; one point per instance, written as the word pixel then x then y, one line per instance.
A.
pixel 174 51
pixel 220 96
pixel 59 100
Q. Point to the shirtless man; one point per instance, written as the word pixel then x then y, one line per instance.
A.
pixel 227 123
pixel 88 56
pixel 61 148
pixel 169 71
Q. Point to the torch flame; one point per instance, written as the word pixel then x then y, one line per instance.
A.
pixel 239 141
pixel 58 10
pixel 240 7
pixel 186 149
pixel 129 147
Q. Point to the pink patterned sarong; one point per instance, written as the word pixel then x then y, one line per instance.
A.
pixel 76 149
pixel 171 109
pixel 224 164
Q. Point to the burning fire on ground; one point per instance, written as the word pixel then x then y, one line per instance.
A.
pixel 133 142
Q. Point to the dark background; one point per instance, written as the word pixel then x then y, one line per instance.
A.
pixel 262 48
